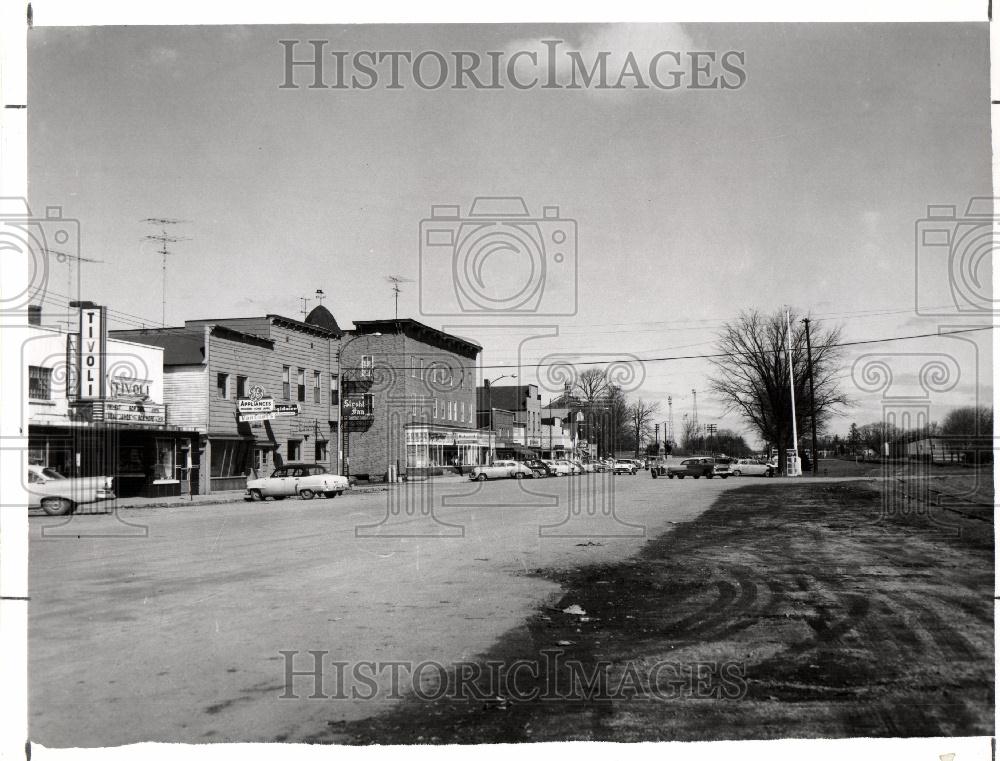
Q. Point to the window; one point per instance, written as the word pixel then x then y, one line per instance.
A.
pixel 334 390
pixel 367 363
pixel 300 382
pixel 229 458
pixel 39 383
pixel 241 387
pixel 321 451
pixel 165 457
pixel 369 402
pixel 294 449
pixel 317 394
pixel 222 385
pixel 286 388
pixel 435 408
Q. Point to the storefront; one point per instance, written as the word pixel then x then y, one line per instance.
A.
pixel 438 448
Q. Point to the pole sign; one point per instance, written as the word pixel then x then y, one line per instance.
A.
pixel 358 406
pixel 93 350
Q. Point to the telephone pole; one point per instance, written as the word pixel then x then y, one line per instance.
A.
pixel 812 399
pixel 791 387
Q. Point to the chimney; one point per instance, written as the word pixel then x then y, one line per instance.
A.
pixel 34 314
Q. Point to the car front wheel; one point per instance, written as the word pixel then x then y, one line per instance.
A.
pixel 307 494
pixel 519 476
pixel 57 506
pixel 481 477
pixel 737 473
pixel 256 496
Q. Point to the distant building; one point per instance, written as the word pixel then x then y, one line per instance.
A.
pixel 936 449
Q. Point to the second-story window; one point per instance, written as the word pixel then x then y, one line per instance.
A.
pixel 334 390
pixel 300 382
pixel 39 383
pixel 316 388
pixel 241 386
pixel 367 365
pixel 286 383
pixel 222 385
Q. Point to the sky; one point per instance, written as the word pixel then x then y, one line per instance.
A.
pixel 803 187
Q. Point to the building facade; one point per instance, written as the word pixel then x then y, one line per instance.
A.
pixel 261 391
pixel 96 407
pixel 409 398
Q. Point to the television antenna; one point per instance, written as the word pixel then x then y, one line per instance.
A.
pixel 65 258
pixel 396 280
pixel 163 239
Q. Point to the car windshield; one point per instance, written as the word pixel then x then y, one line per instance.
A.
pixel 54 474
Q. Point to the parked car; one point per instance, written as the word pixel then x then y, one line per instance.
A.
pixel 747 467
pixel 540 468
pixel 585 467
pixel 696 467
pixel 559 467
pixel 57 494
pixel 625 467
pixel 301 479
pixel 501 469
pixel 576 468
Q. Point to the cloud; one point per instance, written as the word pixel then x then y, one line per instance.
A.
pixel 617 44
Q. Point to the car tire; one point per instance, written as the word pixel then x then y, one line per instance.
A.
pixel 670 476
pixel 57 506
pixel 737 473
pixel 307 494
pixel 770 472
pixel 256 496
pixel 481 477
pixel 698 476
pixel 682 477
pixel 653 473
pixel 518 476
pixel 723 477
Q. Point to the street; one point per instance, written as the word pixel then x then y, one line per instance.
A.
pixel 176 636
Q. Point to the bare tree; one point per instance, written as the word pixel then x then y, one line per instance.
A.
pixel 752 374
pixel 641 415
pixel 592 385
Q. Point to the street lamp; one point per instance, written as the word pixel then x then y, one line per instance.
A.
pixel 344 438
pixel 489 398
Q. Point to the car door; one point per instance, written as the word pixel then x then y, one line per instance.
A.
pixel 273 484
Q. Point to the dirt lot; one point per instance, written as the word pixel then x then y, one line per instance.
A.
pixel 810 610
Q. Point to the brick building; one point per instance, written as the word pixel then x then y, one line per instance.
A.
pixel 409 401
pixel 524 401
pixel 213 367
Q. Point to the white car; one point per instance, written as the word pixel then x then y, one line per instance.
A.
pixel 747 467
pixel 501 469
pixel 626 467
pixel 58 495
pixel 559 467
pixel 301 479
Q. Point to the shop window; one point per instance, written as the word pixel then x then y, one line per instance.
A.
pixel 165 460
pixel 241 387
pixel 222 385
pixel 286 383
pixel 317 393
pixel 294 450
pixel 300 382
pixel 39 383
pixel 230 458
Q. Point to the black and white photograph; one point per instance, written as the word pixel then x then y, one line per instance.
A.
pixel 430 381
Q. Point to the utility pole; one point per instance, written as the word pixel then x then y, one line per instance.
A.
pixel 163 239
pixel 812 399
pixel 791 387
pixel 670 418
pixel 694 412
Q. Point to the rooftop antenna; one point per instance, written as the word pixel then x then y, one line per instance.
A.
pixel 396 280
pixel 64 258
pixel 305 306
pixel 320 296
pixel 163 239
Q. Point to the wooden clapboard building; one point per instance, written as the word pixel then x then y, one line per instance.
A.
pixel 259 390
